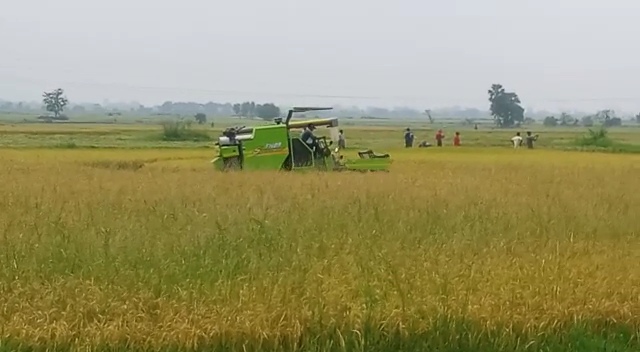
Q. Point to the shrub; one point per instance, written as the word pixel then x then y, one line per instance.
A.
pixel 66 145
pixel 550 121
pixel 182 131
pixel 596 138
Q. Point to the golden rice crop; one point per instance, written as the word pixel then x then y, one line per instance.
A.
pixel 466 250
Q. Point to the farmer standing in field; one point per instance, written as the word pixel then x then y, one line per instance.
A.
pixel 341 141
pixel 516 140
pixel 531 139
pixel 456 140
pixel 408 138
pixel 439 138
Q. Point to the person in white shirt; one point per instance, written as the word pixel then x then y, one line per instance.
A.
pixel 517 140
pixel 341 141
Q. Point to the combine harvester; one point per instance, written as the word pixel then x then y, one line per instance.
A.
pixel 273 147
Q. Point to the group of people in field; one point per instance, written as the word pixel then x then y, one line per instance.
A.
pixel 439 138
pixel 517 140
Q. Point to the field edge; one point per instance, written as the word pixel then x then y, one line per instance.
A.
pixel 447 334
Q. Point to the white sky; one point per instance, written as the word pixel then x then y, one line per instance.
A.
pixel 422 53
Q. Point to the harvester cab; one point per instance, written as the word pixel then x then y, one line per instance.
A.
pixel 275 147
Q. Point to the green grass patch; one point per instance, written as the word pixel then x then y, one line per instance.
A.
pixel 599 140
pixel 446 334
pixel 174 131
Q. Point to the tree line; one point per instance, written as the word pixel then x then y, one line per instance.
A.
pixel 504 106
pixel 507 112
pixel 55 102
pixel 250 109
pixel 244 109
pixel 605 117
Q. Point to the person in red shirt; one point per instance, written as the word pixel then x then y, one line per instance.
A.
pixel 439 138
pixel 456 139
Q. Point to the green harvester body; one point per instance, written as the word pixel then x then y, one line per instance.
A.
pixel 275 147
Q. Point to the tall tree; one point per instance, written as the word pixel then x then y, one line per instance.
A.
pixel 505 106
pixel 236 109
pixel 550 121
pixel 55 101
pixel 267 111
pixel 201 118
pixel 587 121
pixel 605 116
pixel 608 118
pixel 565 119
pixel 252 109
pixel 245 109
pixel 638 118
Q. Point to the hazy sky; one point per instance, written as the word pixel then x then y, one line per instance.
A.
pixel 423 53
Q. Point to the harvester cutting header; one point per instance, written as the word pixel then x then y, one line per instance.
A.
pixel 273 147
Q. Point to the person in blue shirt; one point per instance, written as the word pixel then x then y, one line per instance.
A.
pixel 308 137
